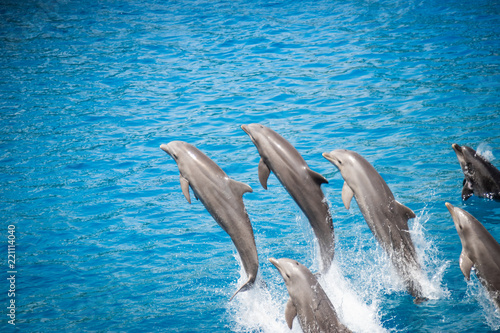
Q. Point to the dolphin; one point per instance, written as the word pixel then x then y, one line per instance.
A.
pixel 481 177
pixel 386 217
pixel 221 196
pixel 308 301
pixel 302 183
pixel 479 249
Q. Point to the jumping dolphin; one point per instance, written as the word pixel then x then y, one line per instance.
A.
pixel 221 196
pixel 479 249
pixel 307 300
pixel 481 177
pixel 303 184
pixel 386 217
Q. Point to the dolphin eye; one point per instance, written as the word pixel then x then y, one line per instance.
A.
pixel 288 276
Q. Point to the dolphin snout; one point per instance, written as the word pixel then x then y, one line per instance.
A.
pixel 450 207
pixel 456 148
pixel 331 158
pixel 164 148
pixel 245 128
pixel 275 262
pixel 169 149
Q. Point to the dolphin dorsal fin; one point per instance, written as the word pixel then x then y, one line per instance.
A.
pixel 264 172
pixel 405 210
pixel 185 188
pixel 290 313
pixel 465 265
pixel 347 195
pixel 240 188
pixel 317 177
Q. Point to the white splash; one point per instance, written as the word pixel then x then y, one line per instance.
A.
pixel 360 277
pixel 260 309
pixel 432 266
pixel 350 302
pixel 479 293
pixel 485 151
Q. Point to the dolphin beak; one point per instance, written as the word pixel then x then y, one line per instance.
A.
pixel 331 158
pixel 245 128
pixel 164 148
pixel 275 263
pixel 456 148
pixel 451 208
pixel 247 131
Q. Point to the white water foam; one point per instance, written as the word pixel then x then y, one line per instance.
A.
pixel 432 266
pixel 485 151
pixel 350 303
pixel 360 276
pixel 260 309
pixel 478 292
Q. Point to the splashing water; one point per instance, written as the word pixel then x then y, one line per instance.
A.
pixel 428 255
pixel 478 293
pixel 261 308
pixel 350 303
pixel 360 278
pixel 485 151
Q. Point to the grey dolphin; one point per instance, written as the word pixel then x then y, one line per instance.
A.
pixel 221 196
pixel 480 176
pixel 303 184
pixel 386 217
pixel 308 301
pixel 479 249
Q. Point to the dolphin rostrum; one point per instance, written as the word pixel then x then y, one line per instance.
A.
pixel 386 217
pixel 308 301
pixel 479 249
pixel 221 196
pixel 302 183
pixel 480 176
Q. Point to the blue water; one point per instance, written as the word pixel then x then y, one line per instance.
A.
pixel 105 240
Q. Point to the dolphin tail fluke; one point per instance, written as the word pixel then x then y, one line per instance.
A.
pixel 420 299
pixel 249 284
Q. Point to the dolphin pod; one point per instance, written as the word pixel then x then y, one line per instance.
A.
pixel 221 196
pixel 480 176
pixel 479 250
pixel 308 301
pixel 386 217
pixel 302 183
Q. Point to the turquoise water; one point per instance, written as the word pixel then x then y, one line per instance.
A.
pixel 105 240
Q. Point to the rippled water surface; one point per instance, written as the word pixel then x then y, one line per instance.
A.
pixel 105 240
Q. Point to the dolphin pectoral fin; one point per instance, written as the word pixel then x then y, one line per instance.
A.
pixel 263 173
pixel 240 187
pixel 467 191
pixel 465 265
pixel 347 195
pixel 185 188
pixel 405 210
pixel 290 313
pixel 318 178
